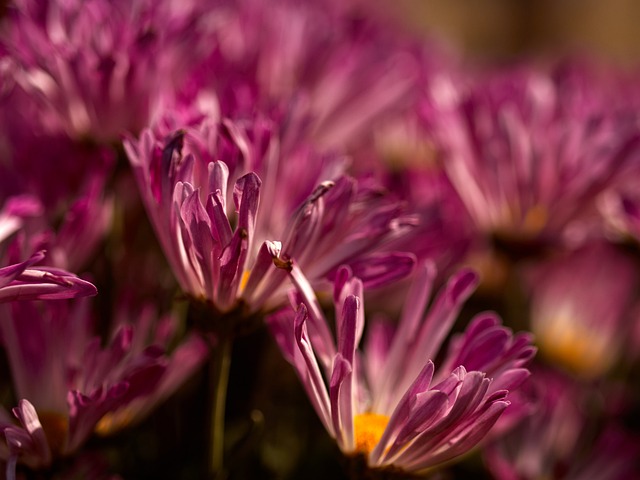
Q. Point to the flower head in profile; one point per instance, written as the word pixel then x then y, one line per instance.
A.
pixel 70 385
pixel 389 402
pixel 26 279
pixel 226 203
pixel 529 151
pixel 581 308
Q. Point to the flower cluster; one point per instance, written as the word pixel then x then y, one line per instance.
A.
pixel 249 186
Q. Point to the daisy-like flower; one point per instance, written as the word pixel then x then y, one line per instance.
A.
pixel 218 190
pixel 26 280
pixel 562 437
pixel 100 68
pixel 581 308
pixel 70 385
pixel 160 332
pixel 334 72
pixel 529 151
pixel 388 402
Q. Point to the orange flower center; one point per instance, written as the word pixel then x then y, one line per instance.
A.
pixel 577 347
pixel 368 429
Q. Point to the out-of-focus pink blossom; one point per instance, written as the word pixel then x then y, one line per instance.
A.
pixel 70 385
pixel 580 307
pixel 101 68
pixel 563 437
pixel 529 151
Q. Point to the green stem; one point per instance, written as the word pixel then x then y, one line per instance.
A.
pixel 219 379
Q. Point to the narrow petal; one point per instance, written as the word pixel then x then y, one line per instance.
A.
pixel 10 273
pixel 340 393
pixel 309 371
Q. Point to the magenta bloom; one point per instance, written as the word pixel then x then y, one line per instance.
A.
pixel 389 402
pixel 560 438
pixel 26 280
pixel 101 68
pixel 580 308
pixel 200 181
pixel 181 361
pixel 333 72
pixel 70 385
pixel 530 151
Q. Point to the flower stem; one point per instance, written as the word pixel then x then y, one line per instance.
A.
pixel 219 378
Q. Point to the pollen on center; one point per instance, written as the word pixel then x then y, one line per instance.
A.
pixel 368 429
pixel 244 280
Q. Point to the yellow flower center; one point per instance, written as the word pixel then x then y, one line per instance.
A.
pixel 578 348
pixel 56 428
pixel 244 280
pixel 368 429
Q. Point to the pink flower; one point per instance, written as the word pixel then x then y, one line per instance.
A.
pixel 25 280
pixel 70 385
pixel 562 437
pixel 529 151
pixel 388 401
pixel 331 72
pixel 225 202
pixel 100 68
pixel 580 308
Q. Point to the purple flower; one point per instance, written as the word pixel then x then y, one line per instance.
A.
pixel 100 68
pixel 529 151
pixel 160 332
pixel 388 402
pixel 70 385
pixel 332 72
pixel 213 174
pixel 580 308
pixel 560 437
pixel 26 280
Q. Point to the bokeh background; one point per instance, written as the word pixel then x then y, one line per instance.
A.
pixel 499 30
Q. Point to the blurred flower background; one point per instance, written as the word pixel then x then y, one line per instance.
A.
pixel 322 239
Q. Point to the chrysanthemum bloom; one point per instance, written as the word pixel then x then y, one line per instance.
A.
pixel 70 385
pixel 100 68
pixel 333 71
pixel 563 437
pixel 76 203
pixel 26 280
pixel 82 223
pixel 217 190
pixel 184 359
pixel 530 151
pixel 580 307
pixel 388 402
